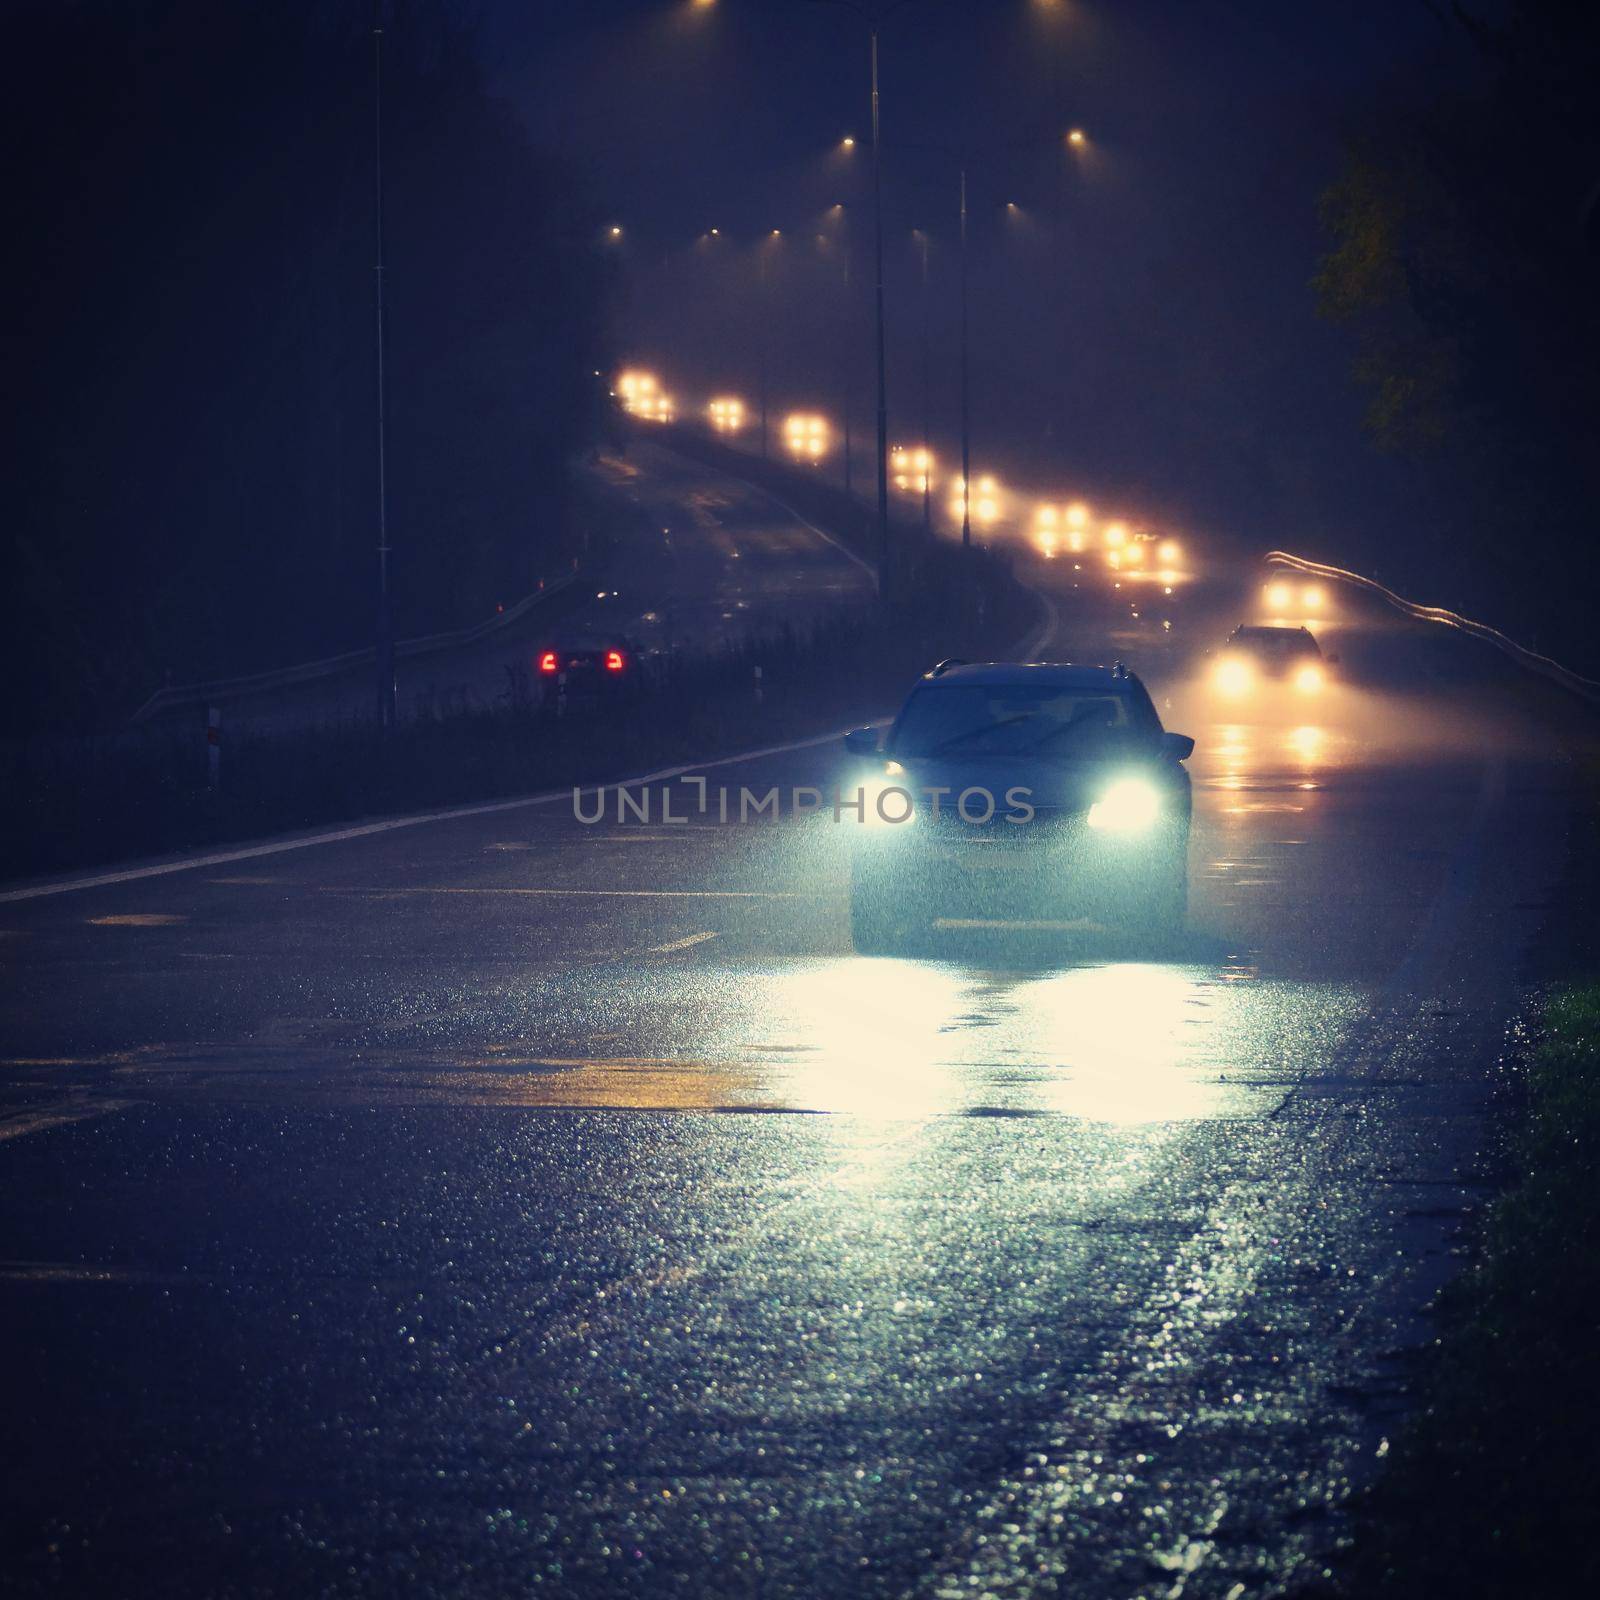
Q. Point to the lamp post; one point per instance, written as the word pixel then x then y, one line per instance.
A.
pixel 927 474
pixel 766 334
pixel 845 395
pixel 966 436
pixel 384 651
pixel 883 396
pixel 875 16
pixel 963 155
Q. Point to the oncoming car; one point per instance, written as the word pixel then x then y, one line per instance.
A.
pixel 1031 790
pixel 1267 654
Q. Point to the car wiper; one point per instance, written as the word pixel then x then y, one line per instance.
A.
pixel 1076 725
pixel 983 727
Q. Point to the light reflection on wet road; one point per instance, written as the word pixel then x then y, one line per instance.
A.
pixel 437 1209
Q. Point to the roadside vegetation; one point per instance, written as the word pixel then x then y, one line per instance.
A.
pixel 1492 1488
pixel 1464 236
pixel 192 490
pixel 70 803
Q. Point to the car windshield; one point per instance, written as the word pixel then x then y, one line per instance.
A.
pixel 1277 641
pixel 1014 719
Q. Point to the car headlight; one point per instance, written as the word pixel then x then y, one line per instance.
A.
pixel 1234 675
pixel 1309 678
pixel 1130 805
pixel 886 801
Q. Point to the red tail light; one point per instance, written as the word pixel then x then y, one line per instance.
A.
pixel 613 661
pixel 548 662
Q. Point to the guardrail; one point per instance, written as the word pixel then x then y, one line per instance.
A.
pixel 223 689
pixel 1530 660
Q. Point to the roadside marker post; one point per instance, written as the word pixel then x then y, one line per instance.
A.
pixel 213 746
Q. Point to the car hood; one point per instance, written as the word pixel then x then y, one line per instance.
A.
pixel 1051 785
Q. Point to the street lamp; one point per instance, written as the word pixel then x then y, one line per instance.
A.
pixel 963 156
pixel 763 251
pixel 384 652
pixel 837 213
pixel 927 503
pixel 874 17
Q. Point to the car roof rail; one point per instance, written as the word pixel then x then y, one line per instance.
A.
pixel 944 666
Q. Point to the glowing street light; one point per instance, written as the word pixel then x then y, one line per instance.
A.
pixel 987 505
pixel 1046 529
pixel 1077 137
pixel 727 414
pixel 638 391
pixel 912 468
pixel 982 505
pixel 805 435
pixel 642 396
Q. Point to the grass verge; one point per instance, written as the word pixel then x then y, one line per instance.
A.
pixel 69 804
pixel 1492 1487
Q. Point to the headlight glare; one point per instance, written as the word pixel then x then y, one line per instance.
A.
pixel 1130 805
pixel 1234 675
pixel 886 799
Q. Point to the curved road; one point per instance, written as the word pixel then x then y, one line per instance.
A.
pixel 514 1205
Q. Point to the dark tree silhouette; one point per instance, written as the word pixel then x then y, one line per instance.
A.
pixel 191 352
pixel 1464 258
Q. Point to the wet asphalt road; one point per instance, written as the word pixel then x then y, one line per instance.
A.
pixel 505 1205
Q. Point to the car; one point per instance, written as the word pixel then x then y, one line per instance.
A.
pixel 1260 655
pixel 1005 790
pixel 585 670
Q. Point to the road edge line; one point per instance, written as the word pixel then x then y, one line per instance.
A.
pixel 219 858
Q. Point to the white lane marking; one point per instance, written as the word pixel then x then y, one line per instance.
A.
pixel 607 894
pixel 1029 646
pixel 78 1272
pixel 682 944
pixel 827 538
pixel 1019 925
pixel 219 858
pixel 57 1116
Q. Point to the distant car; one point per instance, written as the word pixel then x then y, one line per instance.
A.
pixel 585 671
pixel 1034 790
pixel 1266 654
